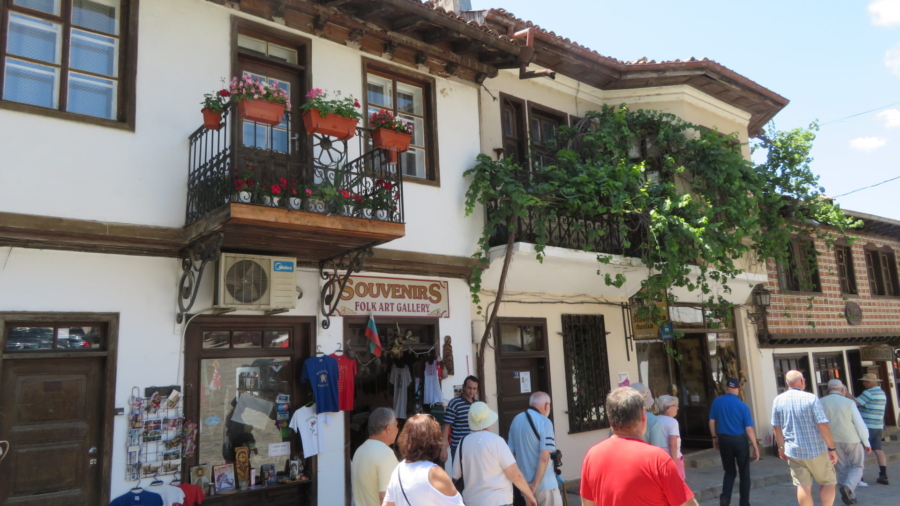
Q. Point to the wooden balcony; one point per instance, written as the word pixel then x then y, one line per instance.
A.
pixel 270 190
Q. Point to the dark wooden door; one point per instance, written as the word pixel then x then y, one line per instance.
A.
pixel 50 412
pixel 694 389
pixel 511 399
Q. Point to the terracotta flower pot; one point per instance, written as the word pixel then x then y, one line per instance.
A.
pixel 211 120
pixel 391 140
pixel 333 125
pixel 261 111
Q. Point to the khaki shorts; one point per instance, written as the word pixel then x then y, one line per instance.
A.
pixel 803 471
pixel 548 497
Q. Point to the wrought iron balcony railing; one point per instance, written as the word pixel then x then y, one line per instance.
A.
pixel 599 234
pixel 252 163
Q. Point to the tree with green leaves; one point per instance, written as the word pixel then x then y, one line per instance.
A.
pixel 682 198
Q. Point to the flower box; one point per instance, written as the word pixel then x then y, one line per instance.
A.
pixel 261 111
pixel 212 120
pixel 391 140
pixel 336 126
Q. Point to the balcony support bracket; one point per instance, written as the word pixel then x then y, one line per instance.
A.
pixel 349 262
pixel 193 262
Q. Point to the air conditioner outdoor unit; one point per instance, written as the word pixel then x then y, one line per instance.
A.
pixel 255 282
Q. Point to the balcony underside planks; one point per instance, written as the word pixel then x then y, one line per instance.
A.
pixel 307 236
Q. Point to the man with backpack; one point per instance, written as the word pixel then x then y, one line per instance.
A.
pixel 532 442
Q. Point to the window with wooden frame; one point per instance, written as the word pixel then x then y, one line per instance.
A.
pixel 587 371
pixel 410 98
pixel 543 123
pixel 236 367
pixel 512 126
pixel 844 258
pixel 72 59
pixel 54 336
pixel 800 271
pixel 881 267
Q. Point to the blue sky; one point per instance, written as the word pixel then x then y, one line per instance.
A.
pixel 830 58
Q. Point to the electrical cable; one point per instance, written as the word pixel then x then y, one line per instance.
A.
pixel 867 187
pixel 858 114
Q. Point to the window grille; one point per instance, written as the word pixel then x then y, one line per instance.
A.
pixel 587 371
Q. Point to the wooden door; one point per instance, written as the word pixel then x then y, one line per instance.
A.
pixel 50 412
pixel 890 418
pixel 278 138
pixel 521 360
pixel 694 389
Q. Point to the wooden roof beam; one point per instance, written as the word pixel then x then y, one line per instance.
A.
pixel 445 21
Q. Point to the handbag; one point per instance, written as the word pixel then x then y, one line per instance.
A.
pixel 460 483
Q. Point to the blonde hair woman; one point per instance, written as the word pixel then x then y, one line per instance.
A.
pixel 668 409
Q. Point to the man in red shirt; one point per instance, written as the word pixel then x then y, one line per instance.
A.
pixel 623 470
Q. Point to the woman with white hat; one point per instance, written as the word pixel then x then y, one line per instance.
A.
pixel 486 465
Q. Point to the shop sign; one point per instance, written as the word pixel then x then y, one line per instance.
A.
pixel 877 353
pixel 365 295
pixel 645 328
pixel 853 313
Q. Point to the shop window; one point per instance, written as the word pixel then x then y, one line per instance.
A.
pixel 30 337
pixel 410 99
pixel 881 267
pixel 71 57
pixel 240 366
pixel 800 271
pixel 791 362
pixel 587 371
pixel 828 366
pixel 844 258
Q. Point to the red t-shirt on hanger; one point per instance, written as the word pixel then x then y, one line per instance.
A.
pixel 346 382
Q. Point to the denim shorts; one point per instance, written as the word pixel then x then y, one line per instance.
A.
pixel 875 438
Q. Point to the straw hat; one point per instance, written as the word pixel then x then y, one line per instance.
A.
pixel 870 377
pixel 481 416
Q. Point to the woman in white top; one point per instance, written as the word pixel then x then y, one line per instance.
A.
pixel 417 481
pixel 486 464
pixel 668 408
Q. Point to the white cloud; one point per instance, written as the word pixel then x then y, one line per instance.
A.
pixel 891 117
pixel 892 60
pixel 867 143
pixel 885 12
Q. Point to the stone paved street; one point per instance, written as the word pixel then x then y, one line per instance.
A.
pixel 784 494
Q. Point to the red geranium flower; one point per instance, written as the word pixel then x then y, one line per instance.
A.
pixel 345 194
pixel 238 184
pixel 276 189
pixel 224 93
pixel 388 186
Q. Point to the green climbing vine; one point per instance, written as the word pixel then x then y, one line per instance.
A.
pixel 682 198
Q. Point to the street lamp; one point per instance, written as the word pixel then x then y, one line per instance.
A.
pixel 762 298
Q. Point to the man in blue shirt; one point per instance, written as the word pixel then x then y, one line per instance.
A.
pixel 804 440
pixel 730 424
pixel 871 406
pixel 531 441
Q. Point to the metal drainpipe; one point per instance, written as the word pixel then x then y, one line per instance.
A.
pixel 527 54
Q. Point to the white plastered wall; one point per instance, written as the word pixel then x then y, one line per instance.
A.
pixel 573 446
pixel 142 291
pixel 140 177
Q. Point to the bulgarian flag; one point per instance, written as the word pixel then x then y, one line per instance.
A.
pixel 372 335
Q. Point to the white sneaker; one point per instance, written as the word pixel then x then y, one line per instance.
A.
pixel 862 484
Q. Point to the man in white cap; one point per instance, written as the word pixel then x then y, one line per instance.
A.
pixel 486 465
pixel 871 406
pixel 654 433
pixel 848 431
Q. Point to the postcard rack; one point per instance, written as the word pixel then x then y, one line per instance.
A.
pixel 155 441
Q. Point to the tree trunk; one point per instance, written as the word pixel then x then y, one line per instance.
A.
pixel 490 323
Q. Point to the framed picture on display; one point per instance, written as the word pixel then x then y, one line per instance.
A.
pixel 224 478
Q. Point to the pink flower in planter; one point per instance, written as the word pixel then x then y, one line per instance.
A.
pixel 308 191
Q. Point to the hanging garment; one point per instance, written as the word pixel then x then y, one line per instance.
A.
pixel 142 498
pixel 432 383
pixel 172 495
pixel 305 422
pixel 193 495
pixel 401 379
pixel 347 382
pixel 322 373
